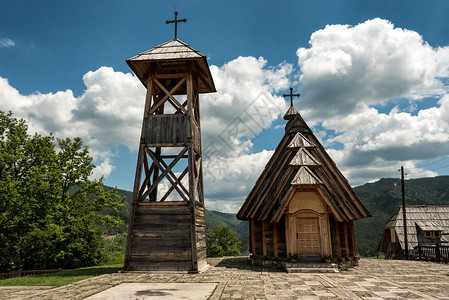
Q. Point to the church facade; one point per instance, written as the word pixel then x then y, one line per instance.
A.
pixel 302 207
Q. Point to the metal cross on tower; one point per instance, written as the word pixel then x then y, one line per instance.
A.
pixel 291 95
pixel 176 21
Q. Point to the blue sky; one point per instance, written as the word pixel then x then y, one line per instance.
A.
pixel 373 77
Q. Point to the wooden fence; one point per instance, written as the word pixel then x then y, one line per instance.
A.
pixel 434 253
pixel 27 273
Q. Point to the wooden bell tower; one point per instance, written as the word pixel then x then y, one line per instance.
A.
pixel 167 227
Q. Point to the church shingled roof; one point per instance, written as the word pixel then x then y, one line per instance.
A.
pixel 281 177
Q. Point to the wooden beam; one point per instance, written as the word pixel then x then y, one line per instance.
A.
pixel 164 173
pixel 170 76
pixel 287 238
pixel 170 94
pixel 191 166
pixel 354 249
pixel 275 240
pixel 153 195
pixel 172 187
pixel 345 229
pixel 175 178
pixel 167 95
pixel 264 242
pixel 337 237
pixel 252 237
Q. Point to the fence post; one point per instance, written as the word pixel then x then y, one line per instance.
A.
pixel 419 252
pixel 437 252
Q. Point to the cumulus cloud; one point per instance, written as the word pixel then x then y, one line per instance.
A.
pixel 109 113
pixel 348 70
pixel 229 180
pixel 347 67
pixel 244 105
pixel 7 43
pixel 106 115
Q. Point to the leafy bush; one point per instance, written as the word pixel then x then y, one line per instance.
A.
pixel 222 241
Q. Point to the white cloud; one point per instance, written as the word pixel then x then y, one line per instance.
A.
pixel 109 113
pixel 229 180
pixel 106 115
pixel 7 43
pixel 244 105
pixel 349 69
pixel 346 67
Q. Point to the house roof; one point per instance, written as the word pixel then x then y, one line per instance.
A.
pixel 427 217
pixel 300 162
pixel 173 56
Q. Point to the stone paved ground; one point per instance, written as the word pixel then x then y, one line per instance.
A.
pixel 238 279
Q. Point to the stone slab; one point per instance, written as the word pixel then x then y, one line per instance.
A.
pixel 169 291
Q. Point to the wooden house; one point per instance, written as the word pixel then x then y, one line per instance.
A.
pixel 301 207
pixel 427 225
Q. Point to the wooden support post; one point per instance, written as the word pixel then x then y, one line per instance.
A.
pixel 252 237
pixel 354 249
pixel 337 236
pixel 287 237
pixel 264 242
pixel 191 158
pixel 345 229
pixel 275 240
pixel 437 253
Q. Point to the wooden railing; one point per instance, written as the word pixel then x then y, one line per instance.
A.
pixel 434 253
pixel 27 273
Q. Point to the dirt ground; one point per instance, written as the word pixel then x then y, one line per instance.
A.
pixel 236 278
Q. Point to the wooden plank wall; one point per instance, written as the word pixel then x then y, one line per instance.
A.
pixel 269 242
pixel 343 239
pixel 161 237
pixel 282 248
pixel 167 130
pixel 200 236
pixel 258 238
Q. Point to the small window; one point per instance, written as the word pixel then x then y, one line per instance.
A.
pixel 432 234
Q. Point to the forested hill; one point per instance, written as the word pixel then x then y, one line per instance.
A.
pixel 382 199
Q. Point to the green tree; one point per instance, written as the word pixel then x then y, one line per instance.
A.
pixel 50 211
pixel 222 241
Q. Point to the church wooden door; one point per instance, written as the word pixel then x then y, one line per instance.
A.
pixel 308 236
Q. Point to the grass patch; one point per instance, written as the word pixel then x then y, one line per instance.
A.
pixel 61 278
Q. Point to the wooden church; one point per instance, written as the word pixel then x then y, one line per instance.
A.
pixel 301 207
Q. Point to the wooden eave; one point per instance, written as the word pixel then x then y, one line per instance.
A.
pixel 243 213
pixel 173 57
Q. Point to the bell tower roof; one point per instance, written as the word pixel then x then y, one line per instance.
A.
pixel 172 57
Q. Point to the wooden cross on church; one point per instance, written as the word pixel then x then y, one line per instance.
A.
pixel 176 21
pixel 291 95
